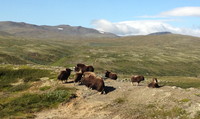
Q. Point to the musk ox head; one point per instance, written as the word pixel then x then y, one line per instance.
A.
pixel 155 80
pixel 68 70
pixel 90 68
pixel 154 83
pixel 77 69
pixel 80 65
pixel 107 73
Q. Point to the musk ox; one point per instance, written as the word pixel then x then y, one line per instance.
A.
pixel 111 75
pixel 84 68
pixel 137 78
pixel 93 82
pixel 154 83
pixel 63 76
pixel 77 77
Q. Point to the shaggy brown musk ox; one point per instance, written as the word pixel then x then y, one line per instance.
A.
pixel 137 78
pixel 63 76
pixel 92 81
pixel 84 68
pixel 77 77
pixel 110 75
pixel 154 83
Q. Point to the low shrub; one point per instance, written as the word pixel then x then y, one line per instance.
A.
pixel 29 103
pixel 9 75
pixel 45 88
pixel 20 87
pixel 30 79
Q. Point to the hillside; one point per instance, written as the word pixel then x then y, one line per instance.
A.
pixel 125 101
pixel 160 33
pixel 163 55
pixel 29 87
pixel 32 91
pixel 26 30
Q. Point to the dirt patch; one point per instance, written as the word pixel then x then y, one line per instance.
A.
pixel 124 100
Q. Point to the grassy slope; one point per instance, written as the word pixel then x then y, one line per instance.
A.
pixel 23 91
pixel 164 55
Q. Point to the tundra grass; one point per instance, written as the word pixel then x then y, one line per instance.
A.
pixel 156 112
pixel 16 101
pixel 44 88
pixel 166 55
pixel 9 76
pixel 29 103
pixel 182 82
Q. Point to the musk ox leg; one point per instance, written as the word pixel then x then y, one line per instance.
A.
pixel 103 92
pixel 132 83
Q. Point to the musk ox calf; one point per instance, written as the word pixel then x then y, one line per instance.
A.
pixel 93 82
pixel 137 78
pixel 154 83
pixel 111 75
pixel 63 76
pixel 84 68
pixel 77 77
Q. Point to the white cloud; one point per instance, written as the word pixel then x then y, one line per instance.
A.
pixel 117 28
pixel 144 27
pixel 182 11
pixel 141 27
pixel 177 12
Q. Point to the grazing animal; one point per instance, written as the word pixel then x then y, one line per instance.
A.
pixel 84 68
pixel 111 75
pixel 77 77
pixel 154 83
pixel 137 78
pixel 63 76
pixel 87 74
pixel 93 82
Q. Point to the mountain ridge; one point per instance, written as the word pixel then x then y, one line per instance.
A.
pixel 160 33
pixel 22 29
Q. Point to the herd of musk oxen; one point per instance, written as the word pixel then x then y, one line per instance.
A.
pixel 84 74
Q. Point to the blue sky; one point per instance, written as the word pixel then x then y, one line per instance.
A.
pixel 122 17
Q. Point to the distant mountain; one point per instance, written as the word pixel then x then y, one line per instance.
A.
pixel 160 33
pixel 2 33
pixel 22 29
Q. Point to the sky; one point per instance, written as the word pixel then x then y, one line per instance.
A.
pixel 121 17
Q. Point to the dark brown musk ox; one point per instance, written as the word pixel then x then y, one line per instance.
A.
pixel 93 82
pixel 64 75
pixel 154 83
pixel 78 77
pixel 110 75
pixel 84 68
pixel 137 78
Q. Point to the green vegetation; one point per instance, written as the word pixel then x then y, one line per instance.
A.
pixel 184 100
pixel 167 56
pixel 173 59
pixel 162 55
pixel 119 100
pixel 182 82
pixel 9 76
pixel 44 88
pixel 154 112
pixel 197 116
pixel 30 103
pixel 20 87
pixel 17 101
pixel 172 113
